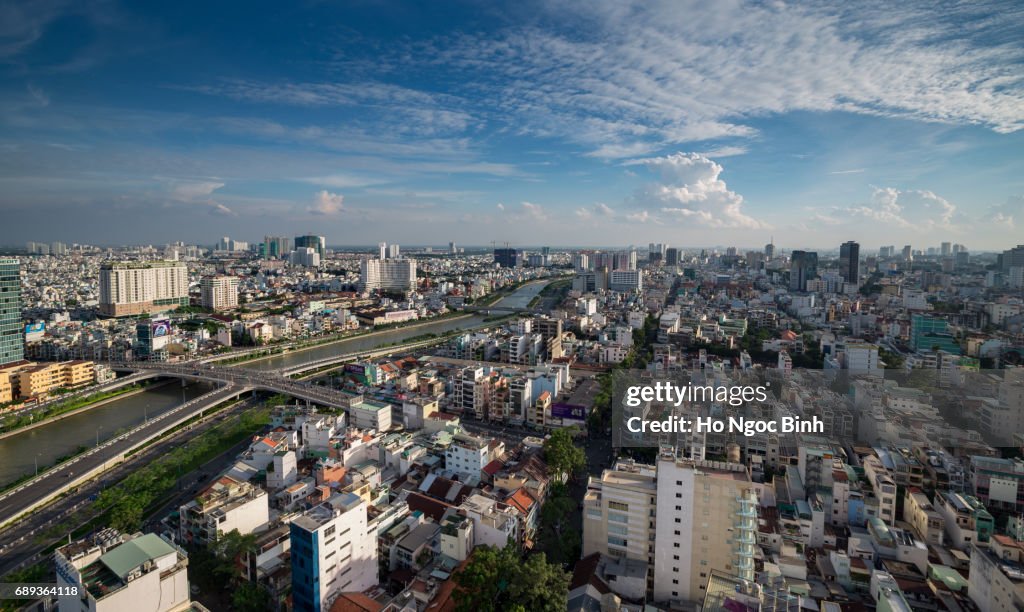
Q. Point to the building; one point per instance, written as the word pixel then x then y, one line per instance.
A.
pixel 12 342
pixel 466 456
pixel 219 292
pixel 1012 258
pixel 38 380
pixel 332 552
pixel 134 288
pixel 317 243
pixel 706 519
pixel 849 262
pixel 617 510
pixel 508 258
pixel 387 275
pixel 930 333
pixel 114 573
pixel 625 280
pixel 370 414
pixel 803 266
pixel 276 247
pixel 226 505
pixel 672 256
pixel 997 575
pixel 306 257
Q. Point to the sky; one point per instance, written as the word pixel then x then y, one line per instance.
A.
pixel 598 122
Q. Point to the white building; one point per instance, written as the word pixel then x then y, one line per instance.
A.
pixel 115 575
pixel 369 414
pixel 387 274
pixel 134 288
pixel 706 520
pixel 333 551
pixel 225 506
pixel 466 456
pixel 996 581
pixel 625 280
pixel 307 257
pixel 219 292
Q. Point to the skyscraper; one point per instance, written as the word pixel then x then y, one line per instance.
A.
pixel 313 242
pixel 382 248
pixel 508 258
pixel 849 262
pixel 672 256
pixel 276 247
pixel 769 251
pixel 12 343
pixel 803 266
pixel 219 292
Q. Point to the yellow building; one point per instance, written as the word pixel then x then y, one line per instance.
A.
pixel 6 391
pixel 39 379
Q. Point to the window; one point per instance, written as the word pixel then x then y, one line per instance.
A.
pixel 616 517
pixel 594 513
pixel 675 581
pixel 329 531
pixel 679 508
pixel 614 505
pixel 676 532
pixel 679 495
pixel 679 483
pixel 675 557
pixel 616 541
pixel 679 520
pixel 618 529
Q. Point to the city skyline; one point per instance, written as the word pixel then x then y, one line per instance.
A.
pixel 623 123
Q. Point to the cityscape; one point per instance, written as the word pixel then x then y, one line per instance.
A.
pixel 605 306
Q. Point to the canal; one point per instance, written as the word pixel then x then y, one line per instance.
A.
pixel 19 453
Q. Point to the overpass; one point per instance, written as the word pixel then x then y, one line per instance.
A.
pixel 245 380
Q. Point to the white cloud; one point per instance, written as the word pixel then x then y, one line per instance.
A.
pixel 915 209
pixel 327 203
pixel 199 193
pixel 40 96
pixel 853 171
pixel 340 181
pixel 501 206
pixel 691 190
pixel 1007 213
pixel 533 211
pixel 639 217
pixel 603 209
pixel 626 78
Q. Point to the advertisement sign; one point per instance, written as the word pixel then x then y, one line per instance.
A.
pixel 355 368
pixel 35 328
pixel 569 412
pixel 160 329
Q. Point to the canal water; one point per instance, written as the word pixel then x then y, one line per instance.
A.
pixel 19 453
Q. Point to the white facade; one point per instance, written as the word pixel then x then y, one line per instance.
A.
pixel 369 414
pixel 333 551
pixel 625 280
pixel 466 456
pixel 219 292
pixel 394 274
pixel 135 287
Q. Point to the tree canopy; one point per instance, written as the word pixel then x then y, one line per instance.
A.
pixel 498 580
pixel 561 453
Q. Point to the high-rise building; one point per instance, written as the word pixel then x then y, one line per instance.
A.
pixel 706 519
pixel 307 257
pixel 137 287
pixel 452 249
pixel 332 552
pixel 394 251
pixel 769 251
pixel 580 262
pixel 12 338
pixel 625 280
pixel 849 262
pixel 803 266
pixel 672 256
pixel 508 258
pixel 276 247
pixel 1012 258
pixel 388 274
pixel 908 254
pixel 318 243
pixel 946 249
pixel 219 292
pixel 617 510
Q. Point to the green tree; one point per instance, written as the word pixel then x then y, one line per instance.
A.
pixel 249 597
pixel 500 581
pixel 561 453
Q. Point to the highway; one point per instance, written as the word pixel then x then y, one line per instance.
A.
pixel 31 493
pixel 21 544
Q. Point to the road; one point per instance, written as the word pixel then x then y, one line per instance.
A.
pixel 13 502
pixel 20 545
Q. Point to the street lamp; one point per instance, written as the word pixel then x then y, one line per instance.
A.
pixel 98 435
pixel 36 460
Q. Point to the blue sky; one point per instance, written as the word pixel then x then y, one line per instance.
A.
pixel 583 123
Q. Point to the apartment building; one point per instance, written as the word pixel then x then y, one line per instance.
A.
pixel 706 519
pixel 134 288
pixel 922 515
pixel 333 551
pixel 219 292
pixel 37 380
pixel 997 575
pixel 115 573
pixel 966 520
pixel 466 456
pixel 619 515
pixel 224 506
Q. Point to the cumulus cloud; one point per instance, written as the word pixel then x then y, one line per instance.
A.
pixel 599 210
pixel 327 203
pixel 911 209
pixel 501 206
pixel 1007 213
pixel 533 211
pixel 690 190
pixel 199 193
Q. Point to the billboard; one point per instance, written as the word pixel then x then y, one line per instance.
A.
pixel 35 328
pixel 355 368
pixel 569 412
pixel 160 329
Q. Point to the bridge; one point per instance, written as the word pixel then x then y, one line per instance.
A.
pixel 245 380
